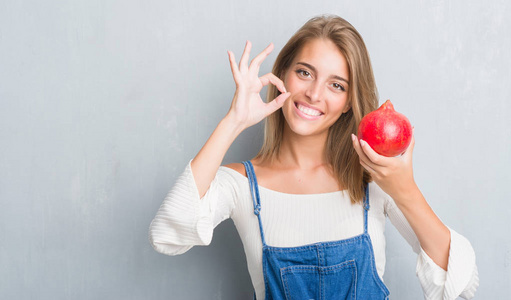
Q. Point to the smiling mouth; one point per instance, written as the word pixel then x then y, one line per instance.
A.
pixel 308 111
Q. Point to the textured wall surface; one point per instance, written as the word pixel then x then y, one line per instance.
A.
pixel 104 102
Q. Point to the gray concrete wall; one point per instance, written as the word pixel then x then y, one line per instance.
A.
pixel 104 102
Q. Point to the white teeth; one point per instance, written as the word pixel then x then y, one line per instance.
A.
pixel 308 111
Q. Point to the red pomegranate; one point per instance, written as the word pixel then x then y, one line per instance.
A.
pixel 388 132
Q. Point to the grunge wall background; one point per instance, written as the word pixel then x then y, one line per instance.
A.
pixel 104 102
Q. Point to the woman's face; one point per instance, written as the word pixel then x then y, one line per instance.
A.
pixel 318 81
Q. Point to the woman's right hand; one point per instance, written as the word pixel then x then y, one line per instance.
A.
pixel 247 107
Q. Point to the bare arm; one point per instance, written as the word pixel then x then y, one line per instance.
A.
pixel 434 237
pixel 247 109
pixel 206 163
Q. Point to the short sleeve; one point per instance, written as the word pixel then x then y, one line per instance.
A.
pixel 461 278
pixel 184 220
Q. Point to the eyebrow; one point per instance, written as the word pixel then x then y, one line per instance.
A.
pixel 314 69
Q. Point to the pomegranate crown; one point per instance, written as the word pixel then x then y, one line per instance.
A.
pixel 387 105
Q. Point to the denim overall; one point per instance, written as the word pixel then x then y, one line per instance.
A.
pixel 343 269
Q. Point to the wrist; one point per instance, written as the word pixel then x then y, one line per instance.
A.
pixel 232 124
pixel 408 195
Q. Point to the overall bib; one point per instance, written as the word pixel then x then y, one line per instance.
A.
pixel 343 269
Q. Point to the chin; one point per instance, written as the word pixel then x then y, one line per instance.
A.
pixel 301 128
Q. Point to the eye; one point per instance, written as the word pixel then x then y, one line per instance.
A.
pixel 339 87
pixel 302 72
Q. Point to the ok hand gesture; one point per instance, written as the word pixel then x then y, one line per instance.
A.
pixel 247 107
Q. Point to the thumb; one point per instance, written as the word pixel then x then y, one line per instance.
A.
pixel 409 150
pixel 277 103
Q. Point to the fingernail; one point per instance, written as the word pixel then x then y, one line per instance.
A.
pixel 362 143
pixel 352 137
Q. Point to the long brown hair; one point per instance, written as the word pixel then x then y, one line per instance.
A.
pixel 362 98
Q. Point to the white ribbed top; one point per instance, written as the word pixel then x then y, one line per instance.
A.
pixel 289 220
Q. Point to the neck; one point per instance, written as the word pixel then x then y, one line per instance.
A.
pixel 302 152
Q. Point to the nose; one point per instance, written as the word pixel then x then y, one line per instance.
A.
pixel 314 91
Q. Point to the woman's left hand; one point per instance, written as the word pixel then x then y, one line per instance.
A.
pixel 394 175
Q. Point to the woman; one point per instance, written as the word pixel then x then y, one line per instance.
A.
pixel 312 219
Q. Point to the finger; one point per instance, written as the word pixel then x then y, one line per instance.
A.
pixel 409 151
pixel 367 167
pixel 374 157
pixel 358 148
pixel 234 67
pixel 258 60
pixel 276 103
pixel 270 77
pixel 244 57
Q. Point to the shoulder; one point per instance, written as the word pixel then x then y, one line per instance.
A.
pixel 238 167
pixel 229 179
pixel 379 197
pixel 376 191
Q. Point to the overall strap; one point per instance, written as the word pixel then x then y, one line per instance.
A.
pixel 366 207
pixel 254 191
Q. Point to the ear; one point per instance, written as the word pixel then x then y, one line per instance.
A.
pixel 346 108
